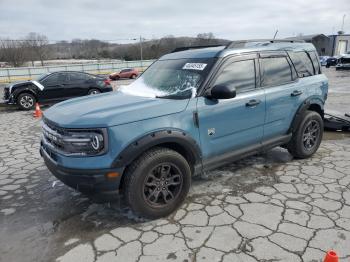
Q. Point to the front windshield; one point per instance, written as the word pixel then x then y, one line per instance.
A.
pixel 173 79
pixel 41 77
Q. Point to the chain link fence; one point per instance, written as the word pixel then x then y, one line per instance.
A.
pixel 27 73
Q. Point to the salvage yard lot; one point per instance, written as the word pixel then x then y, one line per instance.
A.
pixel 267 207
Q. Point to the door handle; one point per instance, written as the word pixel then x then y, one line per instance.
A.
pixel 252 103
pixel 296 93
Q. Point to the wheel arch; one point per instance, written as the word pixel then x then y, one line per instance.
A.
pixel 312 104
pixel 17 93
pixel 176 140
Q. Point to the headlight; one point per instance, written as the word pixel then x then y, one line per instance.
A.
pixel 87 142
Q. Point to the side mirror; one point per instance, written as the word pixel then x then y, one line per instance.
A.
pixel 222 92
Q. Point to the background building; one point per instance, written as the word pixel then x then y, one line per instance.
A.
pixel 331 45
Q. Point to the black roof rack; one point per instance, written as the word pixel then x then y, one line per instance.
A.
pixel 241 43
pixel 237 44
pixel 184 48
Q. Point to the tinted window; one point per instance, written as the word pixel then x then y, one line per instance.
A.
pixel 78 76
pixel 302 63
pixel 275 71
pixel 315 62
pixel 240 75
pixel 55 79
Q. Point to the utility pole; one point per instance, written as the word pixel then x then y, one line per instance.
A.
pixel 141 52
pixel 342 25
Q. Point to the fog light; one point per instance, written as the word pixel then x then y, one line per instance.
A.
pixel 112 175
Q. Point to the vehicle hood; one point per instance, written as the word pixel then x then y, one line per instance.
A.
pixel 20 83
pixel 110 109
pixel 24 83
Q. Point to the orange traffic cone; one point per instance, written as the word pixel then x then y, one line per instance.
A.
pixel 37 113
pixel 331 256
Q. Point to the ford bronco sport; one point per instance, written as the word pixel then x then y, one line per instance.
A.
pixel 189 112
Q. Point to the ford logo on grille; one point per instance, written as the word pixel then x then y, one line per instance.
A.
pixel 50 136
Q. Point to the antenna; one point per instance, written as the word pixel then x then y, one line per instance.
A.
pixel 274 37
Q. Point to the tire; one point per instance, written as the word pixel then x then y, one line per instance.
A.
pixel 133 76
pixel 307 139
pixel 144 189
pixel 94 92
pixel 26 101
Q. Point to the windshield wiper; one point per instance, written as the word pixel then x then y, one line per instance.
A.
pixel 178 97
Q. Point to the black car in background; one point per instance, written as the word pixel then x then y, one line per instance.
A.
pixel 343 63
pixel 54 87
pixel 331 61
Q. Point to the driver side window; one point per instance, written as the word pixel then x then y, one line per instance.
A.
pixel 240 75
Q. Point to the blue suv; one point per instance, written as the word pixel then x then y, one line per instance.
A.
pixel 190 111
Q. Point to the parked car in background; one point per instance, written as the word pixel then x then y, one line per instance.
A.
pixel 54 87
pixel 323 60
pixel 125 73
pixel 331 61
pixel 343 63
pixel 189 112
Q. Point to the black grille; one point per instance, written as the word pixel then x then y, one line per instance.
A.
pixel 52 137
pixel 6 93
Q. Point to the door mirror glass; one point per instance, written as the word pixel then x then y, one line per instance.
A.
pixel 222 92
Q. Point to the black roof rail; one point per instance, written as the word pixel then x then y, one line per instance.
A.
pixel 184 48
pixel 240 43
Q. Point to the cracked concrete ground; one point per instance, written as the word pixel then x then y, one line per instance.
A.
pixel 263 208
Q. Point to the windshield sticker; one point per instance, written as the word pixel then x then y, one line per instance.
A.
pixel 194 66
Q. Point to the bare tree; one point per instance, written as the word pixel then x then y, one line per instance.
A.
pixel 12 52
pixel 206 39
pixel 38 48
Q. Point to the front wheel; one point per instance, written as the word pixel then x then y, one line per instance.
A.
pixel 157 183
pixel 307 139
pixel 26 101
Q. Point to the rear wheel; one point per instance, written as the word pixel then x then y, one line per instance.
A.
pixel 94 92
pixel 157 183
pixel 133 76
pixel 26 101
pixel 307 139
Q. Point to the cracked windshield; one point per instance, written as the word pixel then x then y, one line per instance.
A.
pixel 173 79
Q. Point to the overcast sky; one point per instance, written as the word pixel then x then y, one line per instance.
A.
pixel 115 19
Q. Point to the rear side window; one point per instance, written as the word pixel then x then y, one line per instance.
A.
pixel 315 61
pixel 275 71
pixel 302 63
pixel 240 75
pixel 78 77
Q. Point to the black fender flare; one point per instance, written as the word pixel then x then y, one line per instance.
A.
pixel 302 108
pixel 25 89
pixel 159 137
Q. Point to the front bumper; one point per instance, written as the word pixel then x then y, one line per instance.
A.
pixel 83 180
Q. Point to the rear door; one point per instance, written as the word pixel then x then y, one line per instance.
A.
pixel 284 93
pixel 78 84
pixel 229 125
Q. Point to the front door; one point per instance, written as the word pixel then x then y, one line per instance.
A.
pixel 54 86
pixel 232 125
